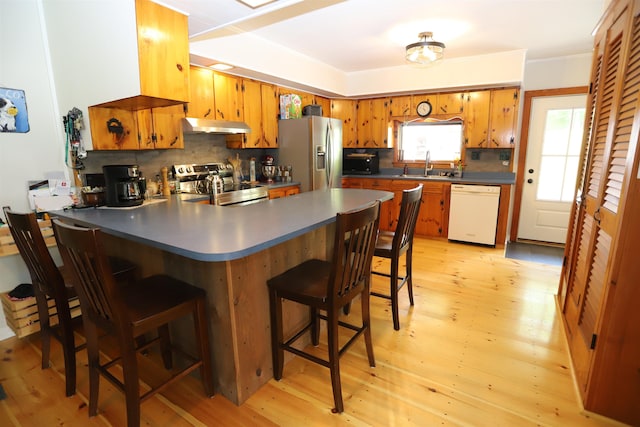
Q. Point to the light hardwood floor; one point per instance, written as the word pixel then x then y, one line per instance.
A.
pixel 483 346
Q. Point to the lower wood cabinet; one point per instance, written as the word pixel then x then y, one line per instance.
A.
pixel 434 211
pixel 276 193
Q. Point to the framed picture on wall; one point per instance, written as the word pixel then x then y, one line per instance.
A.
pixel 13 111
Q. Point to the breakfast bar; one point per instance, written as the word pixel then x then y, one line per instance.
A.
pixel 230 252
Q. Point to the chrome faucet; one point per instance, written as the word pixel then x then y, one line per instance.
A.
pixel 427 163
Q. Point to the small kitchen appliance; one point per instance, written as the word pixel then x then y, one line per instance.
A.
pixel 122 185
pixel 361 164
pixel 203 178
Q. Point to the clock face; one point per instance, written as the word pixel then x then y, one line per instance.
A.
pixel 424 108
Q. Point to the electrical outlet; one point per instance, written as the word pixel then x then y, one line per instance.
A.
pixel 475 155
pixel 505 156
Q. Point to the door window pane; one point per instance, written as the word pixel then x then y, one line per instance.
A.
pixel 560 154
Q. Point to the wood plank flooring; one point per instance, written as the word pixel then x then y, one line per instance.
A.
pixel 483 346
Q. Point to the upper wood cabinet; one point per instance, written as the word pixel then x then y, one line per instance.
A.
pixel 503 118
pixel 490 118
pixel 345 110
pixel 599 281
pixel 228 97
pixel 325 103
pixel 476 118
pixel 118 129
pixel 450 103
pixel 161 75
pixel 432 98
pixel 160 128
pixel 202 104
pixel 400 106
pixel 260 112
pixel 373 123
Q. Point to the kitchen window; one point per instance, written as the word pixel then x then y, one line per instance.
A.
pixel 443 140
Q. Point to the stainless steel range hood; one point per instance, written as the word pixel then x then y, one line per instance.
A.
pixel 193 125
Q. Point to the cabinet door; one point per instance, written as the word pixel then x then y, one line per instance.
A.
pixel 345 110
pixel 228 97
pixel 432 98
pixel 400 106
pixel 252 101
pixel 450 103
pixel 373 123
pixel 504 113
pixel 163 61
pixel 201 104
pixel 325 103
pixel 113 129
pixel 167 127
pixel 476 118
pixel 432 215
pixel 270 108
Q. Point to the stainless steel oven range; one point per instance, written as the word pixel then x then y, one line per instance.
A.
pixel 193 180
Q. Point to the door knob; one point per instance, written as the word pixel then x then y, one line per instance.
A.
pixel 530 170
pixel 530 181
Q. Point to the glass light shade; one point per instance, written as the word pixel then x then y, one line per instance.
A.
pixel 425 51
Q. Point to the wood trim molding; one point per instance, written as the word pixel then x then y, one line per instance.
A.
pixel 522 149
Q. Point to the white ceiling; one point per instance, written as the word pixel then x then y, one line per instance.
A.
pixel 358 35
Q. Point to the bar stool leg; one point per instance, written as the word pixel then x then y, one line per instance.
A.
pixel 277 353
pixel 334 359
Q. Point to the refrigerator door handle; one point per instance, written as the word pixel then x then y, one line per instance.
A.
pixel 329 149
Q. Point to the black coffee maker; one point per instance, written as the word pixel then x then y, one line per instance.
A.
pixel 122 185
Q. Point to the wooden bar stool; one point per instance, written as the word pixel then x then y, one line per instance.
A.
pixel 392 244
pixel 50 281
pixel 128 312
pixel 328 286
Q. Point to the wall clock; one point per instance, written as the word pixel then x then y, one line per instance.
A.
pixel 424 108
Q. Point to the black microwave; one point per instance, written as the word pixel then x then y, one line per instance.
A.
pixel 361 164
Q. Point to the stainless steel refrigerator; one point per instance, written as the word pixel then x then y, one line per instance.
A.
pixel 312 145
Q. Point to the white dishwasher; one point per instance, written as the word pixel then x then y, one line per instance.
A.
pixel 473 213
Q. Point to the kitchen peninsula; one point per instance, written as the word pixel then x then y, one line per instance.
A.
pixel 230 252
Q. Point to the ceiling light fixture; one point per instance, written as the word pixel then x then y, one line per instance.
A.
pixel 426 51
pixel 221 67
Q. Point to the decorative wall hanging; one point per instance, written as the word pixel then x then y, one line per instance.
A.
pixel 13 111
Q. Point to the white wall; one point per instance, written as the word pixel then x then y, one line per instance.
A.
pixel 26 156
pixel 568 71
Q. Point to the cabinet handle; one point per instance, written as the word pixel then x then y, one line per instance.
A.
pixel 596 216
pixel 208 112
pixel 179 67
pixel 174 141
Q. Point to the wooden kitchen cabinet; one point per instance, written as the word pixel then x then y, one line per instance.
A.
pixel 202 104
pixel 386 208
pixel 450 103
pixel 160 128
pixel 118 129
pixel 373 123
pixel 400 106
pixel 476 118
pixel 345 110
pixel 162 52
pixel 490 118
pixel 433 217
pixel 432 98
pixel 290 190
pixel 503 118
pixel 325 103
pixel 227 91
pixel 598 291
pixel 260 112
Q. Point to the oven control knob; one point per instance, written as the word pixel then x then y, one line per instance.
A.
pixel 180 169
pixel 189 169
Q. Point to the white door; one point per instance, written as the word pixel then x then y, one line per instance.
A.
pixel 553 154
